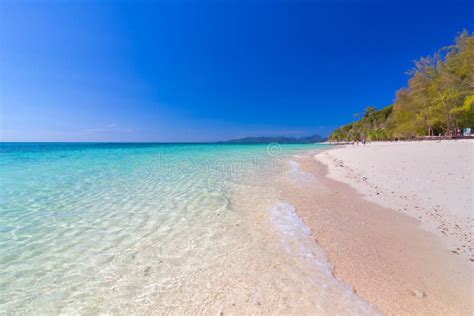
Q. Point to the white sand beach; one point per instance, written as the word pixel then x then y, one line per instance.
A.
pixel 431 181
pixel 395 220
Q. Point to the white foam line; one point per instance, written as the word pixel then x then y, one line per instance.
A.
pixel 295 232
pixel 299 241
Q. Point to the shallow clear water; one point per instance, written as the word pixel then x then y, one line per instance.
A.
pixel 157 228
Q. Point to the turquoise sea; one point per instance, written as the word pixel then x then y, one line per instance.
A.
pixel 90 228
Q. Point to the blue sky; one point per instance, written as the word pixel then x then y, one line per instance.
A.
pixel 205 71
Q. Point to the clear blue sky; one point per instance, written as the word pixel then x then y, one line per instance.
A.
pixel 190 71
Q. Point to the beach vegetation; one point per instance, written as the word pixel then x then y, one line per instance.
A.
pixel 437 101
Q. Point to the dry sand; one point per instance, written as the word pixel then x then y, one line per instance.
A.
pixel 380 251
pixel 431 181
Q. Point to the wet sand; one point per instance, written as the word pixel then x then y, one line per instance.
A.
pixel 383 254
pixel 432 181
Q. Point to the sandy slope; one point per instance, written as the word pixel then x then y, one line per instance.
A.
pixel 431 181
pixel 382 253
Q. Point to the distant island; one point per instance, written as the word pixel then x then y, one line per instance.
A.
pixel 438 101
pixel 278 139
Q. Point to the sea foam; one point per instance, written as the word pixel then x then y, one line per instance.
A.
pixel 156 228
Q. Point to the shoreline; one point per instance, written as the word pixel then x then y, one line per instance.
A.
pixel 381 253
pixel 429 181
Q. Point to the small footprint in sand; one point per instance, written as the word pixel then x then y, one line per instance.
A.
pixel 418 293
pixel 147 271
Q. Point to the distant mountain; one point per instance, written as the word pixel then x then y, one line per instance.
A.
pixel 279 139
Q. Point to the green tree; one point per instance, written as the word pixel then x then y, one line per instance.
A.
pixel 438 99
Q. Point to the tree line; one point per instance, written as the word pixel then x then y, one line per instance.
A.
pixel 438 100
